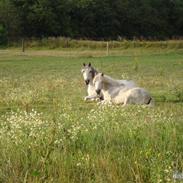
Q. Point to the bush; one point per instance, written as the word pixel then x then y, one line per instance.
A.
pixel 3 35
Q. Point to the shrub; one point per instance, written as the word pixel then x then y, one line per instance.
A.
pixel 3 35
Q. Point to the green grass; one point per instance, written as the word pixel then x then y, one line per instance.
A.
pixel 49 134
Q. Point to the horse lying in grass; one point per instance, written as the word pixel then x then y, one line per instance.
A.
pixel 89 73
pixel 116 93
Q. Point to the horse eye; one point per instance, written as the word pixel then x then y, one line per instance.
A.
pixel 90 71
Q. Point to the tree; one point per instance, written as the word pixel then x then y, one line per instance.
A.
pixel 9 20
pixel 3 35
pixel 93 19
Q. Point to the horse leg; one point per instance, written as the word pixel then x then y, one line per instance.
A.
pixel 92 97
pixel 86 98
pixel 125 102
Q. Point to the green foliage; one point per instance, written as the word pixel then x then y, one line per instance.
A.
pixel 10 20
pixel 3 35
pixel 107 19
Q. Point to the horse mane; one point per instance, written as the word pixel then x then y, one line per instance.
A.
pixel 94 72
pixel 110 81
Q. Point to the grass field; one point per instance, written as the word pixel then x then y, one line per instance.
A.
pixel 49 134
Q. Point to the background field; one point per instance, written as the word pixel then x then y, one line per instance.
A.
pixel 49 134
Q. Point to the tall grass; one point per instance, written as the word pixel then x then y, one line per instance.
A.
pixel 49 134
pixel 61 43
pixel 110 144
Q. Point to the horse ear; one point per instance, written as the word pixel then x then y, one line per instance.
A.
pixel 84 64
pixel 89 64
pixel 102 74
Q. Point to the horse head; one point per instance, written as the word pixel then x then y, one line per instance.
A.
pixel 88 73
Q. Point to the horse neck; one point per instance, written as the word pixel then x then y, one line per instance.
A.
pixel 95 72
pixel 110 82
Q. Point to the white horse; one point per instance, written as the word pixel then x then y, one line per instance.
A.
pixel 88 74
pixel 116 93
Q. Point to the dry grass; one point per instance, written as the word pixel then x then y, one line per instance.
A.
pixel 87 52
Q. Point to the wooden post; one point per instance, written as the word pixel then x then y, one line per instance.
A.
pixel 67 43
pixel 23 45
pixel 107 48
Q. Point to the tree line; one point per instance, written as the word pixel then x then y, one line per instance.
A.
pixel 91 19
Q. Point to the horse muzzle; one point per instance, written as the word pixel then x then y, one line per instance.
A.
pixel 87 82
pixel 98 91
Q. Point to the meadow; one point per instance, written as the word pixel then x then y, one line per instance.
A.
pixel 48 133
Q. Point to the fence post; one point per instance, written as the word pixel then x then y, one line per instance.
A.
pixel 107 48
